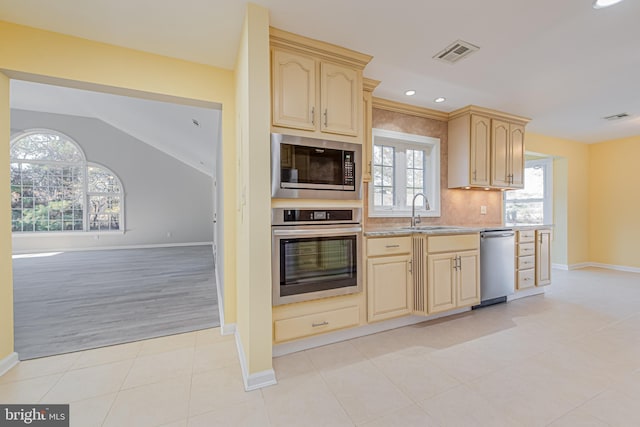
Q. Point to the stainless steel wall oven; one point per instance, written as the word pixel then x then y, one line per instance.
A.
pixel 313 168
pixel 316 253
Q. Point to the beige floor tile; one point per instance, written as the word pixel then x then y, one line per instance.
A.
pixel 304 400
pixel 416 376
pixel 466 361
pixel 90 412
pixel 104 355
pixel 159 367
pixel 412 416
pixel 293 365
pixel 250 414
pixel 218 355
pixel 462 406
pixel 218 389
pixel 383 344
pixel 28 391
pixel 210 336
pixel 364 392
pixel 151 405
pixel 39 367
pixel 578 417
pixel 90 382
pixel 168 343
pixel 614 408
pixel 181 423
pixel 335 356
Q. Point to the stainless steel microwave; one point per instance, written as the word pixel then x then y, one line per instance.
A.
pixel 310 168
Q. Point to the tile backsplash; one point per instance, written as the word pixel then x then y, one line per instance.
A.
pixel 458 207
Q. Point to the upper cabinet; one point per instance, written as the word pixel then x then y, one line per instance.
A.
pixel 316 88
pixel 486 149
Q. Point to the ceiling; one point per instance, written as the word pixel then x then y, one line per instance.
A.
pixel 561 63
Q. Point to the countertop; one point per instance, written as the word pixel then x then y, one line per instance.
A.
pixel 442 229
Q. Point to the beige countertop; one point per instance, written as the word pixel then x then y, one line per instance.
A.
pixel 442 229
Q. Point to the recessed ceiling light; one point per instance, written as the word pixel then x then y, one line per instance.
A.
pixel 600 4
pixel 439 99
pixel 410 92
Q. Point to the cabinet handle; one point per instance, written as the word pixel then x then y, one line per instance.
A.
pixel 475 173
pixel 410 266
pixel 313 116
pixel 315 325
pixel 459 263
pixel 392 246
pixel 325 117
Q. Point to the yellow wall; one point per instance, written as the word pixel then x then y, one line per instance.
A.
pixel 6 281
pixel 254 216
pixel 574 165
pixel 614 203
pixel 44 56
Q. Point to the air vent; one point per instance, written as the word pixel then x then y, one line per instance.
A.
pixel 456 51
pixel 616 116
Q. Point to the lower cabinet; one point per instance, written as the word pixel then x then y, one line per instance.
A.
pixel 543 257
pixel 533 258
pixel 388 277
pixel 315 323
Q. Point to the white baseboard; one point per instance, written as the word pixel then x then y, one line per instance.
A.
pixel 560 266
pixel 256 380
pixel 8 362
pixel 228 328
pixel 579 266
pixel 526 293
pixel 109 248
pixel 361 331
pixel 615 267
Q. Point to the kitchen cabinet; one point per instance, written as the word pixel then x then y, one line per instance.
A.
pixel 316 87
pixel 367 147
pixel 543 257
pixel 486 149
pixel 452 266
pixel 525 259
pixel 389 283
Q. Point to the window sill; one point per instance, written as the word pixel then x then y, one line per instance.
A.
pixel 49 234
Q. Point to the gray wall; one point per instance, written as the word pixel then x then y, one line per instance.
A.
pixel 166 201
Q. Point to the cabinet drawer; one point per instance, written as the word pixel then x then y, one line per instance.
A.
pixel 526 249
pixel 317 323
pixel 388 245
pixel 526 279
pixel 525 262
pixel 462 242
pixel 526 235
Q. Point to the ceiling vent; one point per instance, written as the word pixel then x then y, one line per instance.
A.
pixel 616 116
pixel 456 51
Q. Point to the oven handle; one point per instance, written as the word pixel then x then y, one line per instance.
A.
pixel 316 232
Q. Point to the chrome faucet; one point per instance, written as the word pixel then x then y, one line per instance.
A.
pixel 414 220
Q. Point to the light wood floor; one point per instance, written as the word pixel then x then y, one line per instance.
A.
pixel 80 300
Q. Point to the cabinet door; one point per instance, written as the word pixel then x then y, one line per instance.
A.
pixel 543 257
pixel 293 85
pixel 480 150
pixel 468 282
pixel 500 157
pixel 516 133
pixel 441 292
pixel 340 90
pixel 388 285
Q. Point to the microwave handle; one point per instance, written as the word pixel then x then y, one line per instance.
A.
pixel 316 232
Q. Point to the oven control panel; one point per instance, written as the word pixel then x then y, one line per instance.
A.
pixel 285 216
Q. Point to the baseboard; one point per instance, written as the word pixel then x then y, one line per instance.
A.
pixel 8 362
pixel 361 331
pixel 560 267
pixel 526 293
pixel 257 380
pixel 615 267
pixel 228 328
pixel 579 266
pixel 109 248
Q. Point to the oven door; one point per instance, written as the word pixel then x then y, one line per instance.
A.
pixel 315 263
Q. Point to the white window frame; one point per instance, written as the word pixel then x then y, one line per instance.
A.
pixel 547 199
pixel 431 146
pixel 84 165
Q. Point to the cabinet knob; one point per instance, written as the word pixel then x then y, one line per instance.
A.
pixel 313 116
pixel 315 325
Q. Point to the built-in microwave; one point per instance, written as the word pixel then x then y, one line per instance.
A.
pixel 310 168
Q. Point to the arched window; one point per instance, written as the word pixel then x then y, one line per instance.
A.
pixel 53 188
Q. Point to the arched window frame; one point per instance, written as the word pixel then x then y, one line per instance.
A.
pixel 84 166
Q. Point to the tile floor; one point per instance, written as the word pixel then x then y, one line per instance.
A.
pixel 568 358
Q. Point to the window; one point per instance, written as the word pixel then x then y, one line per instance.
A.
pixel 532 204
pixel 54 189
pixel 402 166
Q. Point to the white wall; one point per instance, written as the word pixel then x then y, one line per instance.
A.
pixel 162 195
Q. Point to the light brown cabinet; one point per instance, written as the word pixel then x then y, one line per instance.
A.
pixel 315 87
pixel 486 149
pixel 388 277
pixel 447 272
pixel 543 257
pixel 533 258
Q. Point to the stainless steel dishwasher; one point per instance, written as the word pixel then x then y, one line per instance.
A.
pixel 497 265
